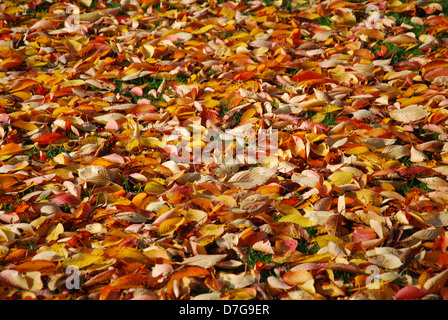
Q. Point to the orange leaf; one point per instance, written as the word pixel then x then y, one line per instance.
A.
pixel 108 294
pixel 272 188
pixel 101 277
pixel 132 280
pixel 10 149
pixel 10 63
pixel 306 75
pixel 15 256
pixel 84 210
pixel 43 266
pixel 244 75
pixel 189 271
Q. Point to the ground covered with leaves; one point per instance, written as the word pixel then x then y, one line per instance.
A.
pixel 94 207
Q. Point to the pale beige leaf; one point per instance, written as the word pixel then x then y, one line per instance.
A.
pixel 436 219
pixel 238 281
pixel 435 183
pixel 104 119
pixel 263 246
pixel 396 151
pixel 252 178
pixel 417 156
pixel 85 3
pixel 305 180
pixel 423 235
pixel 409 114
pixel 204 260
pixel 276 283
pixel 376 226
pixel 26 281
pixel 96 175
pixel 387 261
pixel 437 282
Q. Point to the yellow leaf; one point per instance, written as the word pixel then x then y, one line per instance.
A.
pixel 322 241
pixel 152 142
pixel 204 29
pixel 345 77
pixel 247 115
pixel 297 218
pixel 357 150
pixel 313 137
pixel 6 234
pixel 25 125
pixel 133 144
pixel 54 232
pixel 198 216
pixel 127 253
pixel 318 117
pixel 318 257
pixel 168 226
pixel 287 209
pixel 229 13
pixel 154 188
pixel 211 103
pixel 72 83
pixel 341 178
pixel 321 150
pixel 81 260
pixel 227 200
pixel 369 197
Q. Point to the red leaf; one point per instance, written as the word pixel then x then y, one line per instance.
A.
pixel 49 138
pixel 409 293
pixel 64 198
pixel 432 74
pixel 286 245
pixel 362 234
pixel 306 75
pixel 416 171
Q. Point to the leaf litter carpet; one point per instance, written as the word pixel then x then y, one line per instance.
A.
pixel 93 205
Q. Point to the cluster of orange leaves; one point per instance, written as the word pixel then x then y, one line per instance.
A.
pixel 355 210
